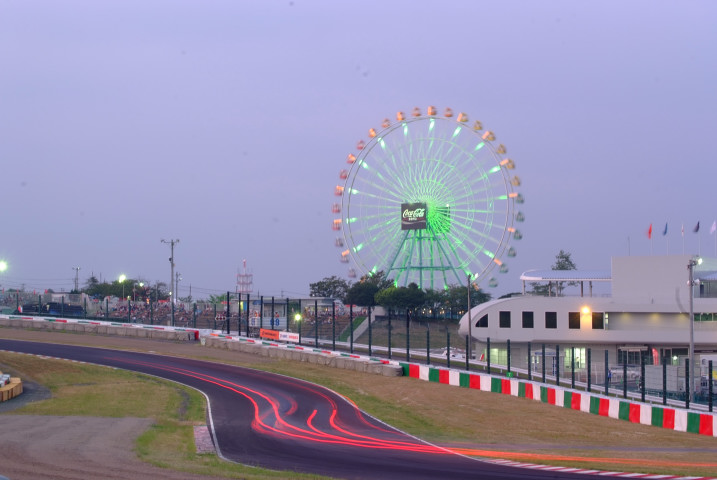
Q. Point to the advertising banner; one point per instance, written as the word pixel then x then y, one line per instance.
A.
pixel 413 216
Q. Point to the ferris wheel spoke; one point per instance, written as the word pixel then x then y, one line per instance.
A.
pixel 451 171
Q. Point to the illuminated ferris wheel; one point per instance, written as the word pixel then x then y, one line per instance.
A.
pixel 428 199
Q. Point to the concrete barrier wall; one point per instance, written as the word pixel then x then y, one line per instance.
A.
pixel 100 328
pixel 304 354
pixel 263 348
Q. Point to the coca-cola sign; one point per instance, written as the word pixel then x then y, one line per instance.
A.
pixel 413 216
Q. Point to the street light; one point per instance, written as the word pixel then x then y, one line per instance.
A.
pixel 3 266
pixel 171 243
pixel 121 279
pixel 691 283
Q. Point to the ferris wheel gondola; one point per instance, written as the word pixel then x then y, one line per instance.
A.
pixel 429 199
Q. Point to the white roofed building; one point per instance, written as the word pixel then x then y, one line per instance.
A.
pixel 646 313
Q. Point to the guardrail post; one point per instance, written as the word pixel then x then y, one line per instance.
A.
pixel 228 315
pixel 607 374
pixel 333 326
pixel 664 380
pixel 271 321
pixel 316 323
pixel 448 348
pixel 408 337
pixel 389 333
pixel 624 378
pixel 572 368
pixel 261 312
pixel 711 380
pixel 557 365
pixel 428 345
pixel 642 377
pixel 508 353
pixel 688 384
pixel 530 364
pixel 590 367
pixel 287 314
pixel 247 315
pixel 487 355
pixel 468 346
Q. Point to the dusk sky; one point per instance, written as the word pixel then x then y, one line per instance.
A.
pixel 225 124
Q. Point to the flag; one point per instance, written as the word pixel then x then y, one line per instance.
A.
pixel 714 227
pixel 649 232
pixel 697 227
pixel 664 232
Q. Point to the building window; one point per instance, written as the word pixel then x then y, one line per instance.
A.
pixel 598 321
pixel 482 322
pixel 551 319
pixel 527 319
pixel 504 320
pixel 574 320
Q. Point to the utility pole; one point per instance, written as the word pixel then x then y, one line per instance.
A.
pixel 77 278
pixel 177 278
pixel 171 244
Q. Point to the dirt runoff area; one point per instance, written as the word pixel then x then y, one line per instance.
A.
pixel 73 448
pixel 58 448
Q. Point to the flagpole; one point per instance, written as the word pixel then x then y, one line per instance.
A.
pixel 699 239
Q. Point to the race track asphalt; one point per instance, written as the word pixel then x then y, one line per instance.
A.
pixel 282 423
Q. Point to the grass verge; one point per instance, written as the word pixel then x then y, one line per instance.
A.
pixel 481 423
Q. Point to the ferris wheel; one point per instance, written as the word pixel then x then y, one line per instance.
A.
pixel 428 199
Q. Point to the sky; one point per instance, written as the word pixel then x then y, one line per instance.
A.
pixel 224 124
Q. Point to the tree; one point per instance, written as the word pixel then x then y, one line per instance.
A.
pixel 456 298
pixel 331 287
pixel 218 298
pixel 434 300
pixel 364 291
pixel 130 286
pixel 408 298
pixel 562 262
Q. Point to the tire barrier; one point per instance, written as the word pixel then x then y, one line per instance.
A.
pixel 10 387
